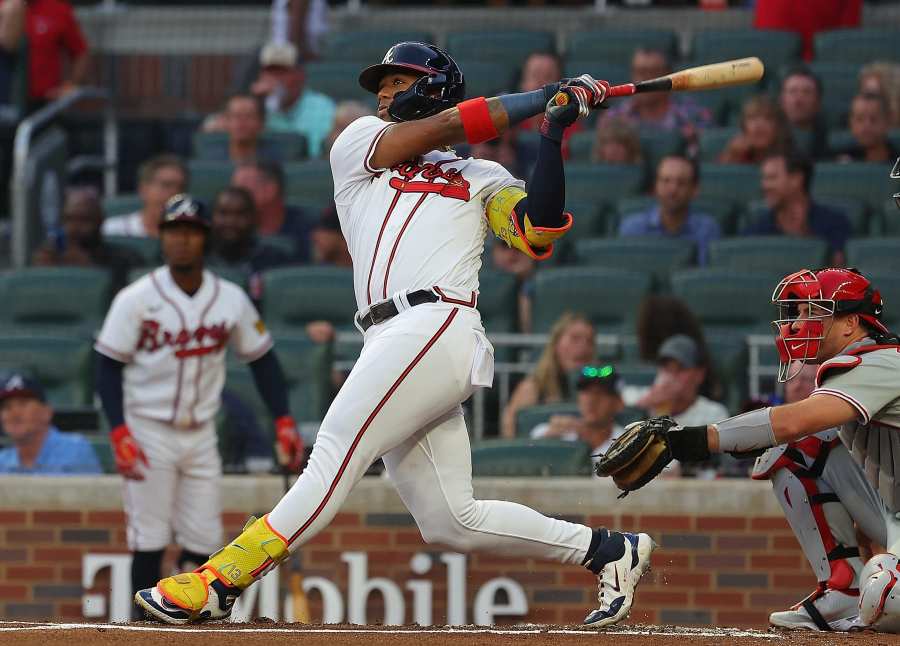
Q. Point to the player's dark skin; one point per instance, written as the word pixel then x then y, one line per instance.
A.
pixel 182 245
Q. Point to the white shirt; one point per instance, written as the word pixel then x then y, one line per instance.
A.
pixel 417 225
pixel 702 411
pixel 174 344
pixel 131 224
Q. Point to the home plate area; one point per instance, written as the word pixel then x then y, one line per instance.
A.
pixel 266 633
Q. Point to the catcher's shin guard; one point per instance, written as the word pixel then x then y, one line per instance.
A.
pixel 209 592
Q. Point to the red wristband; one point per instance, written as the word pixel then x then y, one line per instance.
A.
pixel 476 120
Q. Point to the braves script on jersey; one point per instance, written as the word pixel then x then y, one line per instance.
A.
pixel 414 226
pixel 174 344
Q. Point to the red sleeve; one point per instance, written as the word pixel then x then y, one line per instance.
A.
pixel 72 38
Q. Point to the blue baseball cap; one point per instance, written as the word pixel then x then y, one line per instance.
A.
pixel 16 384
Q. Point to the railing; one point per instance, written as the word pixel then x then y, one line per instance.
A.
pixel 22 148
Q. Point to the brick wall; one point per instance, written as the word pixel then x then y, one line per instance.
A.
pixel 715 566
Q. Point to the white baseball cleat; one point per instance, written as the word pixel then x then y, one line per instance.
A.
pixel 824 610
pixel 187 598
pixel 618 580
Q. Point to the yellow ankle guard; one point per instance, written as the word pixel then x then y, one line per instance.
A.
pixel 256 551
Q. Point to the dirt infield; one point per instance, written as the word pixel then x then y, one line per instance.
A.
pixel 272 634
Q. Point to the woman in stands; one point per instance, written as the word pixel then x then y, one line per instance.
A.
pixel 764 131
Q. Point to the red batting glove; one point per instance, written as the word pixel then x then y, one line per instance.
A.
pixel 288 443
pixel 128 453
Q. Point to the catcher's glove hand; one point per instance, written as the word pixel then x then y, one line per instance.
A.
pixel 638 455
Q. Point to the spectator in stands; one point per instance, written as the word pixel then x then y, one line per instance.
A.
pixel 244 120
pixel 659 110
pixel 539 69
pixel 328 243
pixel 345 113
pixel 883 77
pixel 616 142
pixel 807 18
pixel 265 181
pixel 801 102
pixel 53 35
pixel 503 150
pixel 764 131
pixel 869 125
pixel 12 27
pixel 38 447
pixel 80 241
pixel 571 345
pixel 676 185
pixel 791 211
pixel 235 245
pixel 512 261
pixel 291 106
pixel 159 178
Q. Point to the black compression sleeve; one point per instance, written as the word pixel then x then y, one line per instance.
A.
pixel 547 188
pixel 109 386
pixel 269 380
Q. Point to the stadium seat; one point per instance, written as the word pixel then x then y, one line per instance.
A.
pixel 636 373
pixel 340 79
pixel 528 418
pixel 310 180
pixel 713 142
pixel 294 296
pixel 857 45
pixel 603 183
pixel 62 364
pixel 726 297
pixel 888 283
pixel 659 256
pixel 580 146
pixel 840 80
pixel 890 218
pixel 103 449
pixel 285 244
pixel 776 254
pixel 608 297
pixel 498 300
pixel 725 103
pixel 840 141
pixel 209 177
pixel 64 300
pixel 775 48
pixel 367 44
pixel 614 73
pixel 618 45
pixel 879 255
pixel 307 369
pixel 728 353
pixel 292 145
pixel 147 248
pixel 866 182
pixel 501 46
pixel 856 211
pixel 656 144
pixel 530 458
pixel 729 182
pixel 122 204
pixel 487 77
pixel 590 219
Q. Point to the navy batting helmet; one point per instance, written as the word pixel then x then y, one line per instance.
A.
pixel 895 174
pixel 184 208
pixel 441 85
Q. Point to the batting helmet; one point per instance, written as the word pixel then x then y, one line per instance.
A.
pixel 440 87
pixel 804 300
pixel 184 208
pixel 895 174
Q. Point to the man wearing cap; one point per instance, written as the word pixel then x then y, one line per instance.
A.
pixel 291 106
pixel 38 447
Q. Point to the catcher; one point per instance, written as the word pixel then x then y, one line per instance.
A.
pixel 832 317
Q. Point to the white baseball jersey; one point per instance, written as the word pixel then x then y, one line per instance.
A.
pixel 413 226
pixel 174 344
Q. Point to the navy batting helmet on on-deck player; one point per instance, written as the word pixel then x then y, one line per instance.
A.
pixel 441 86
pixel 184 208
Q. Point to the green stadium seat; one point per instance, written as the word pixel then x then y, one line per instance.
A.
pixel 487 77
pixel 528 418
pixel 656 144
pixel 724 211
pixel 728 353
pixel 590 219
pixel 285 244
pixel 729 182
pixel 659 256
pixel 866 182
pixel 62 364
pixel 778 254
pixel 636 373
pixel 855 210
pixel 890 218
pixel 580 146
pixel 530 458
pixel 498 300
pixel 874 255
pixel 857 45
pixel 775 48
pixel 147 248
pixel 367 44
pixel 619 45
pixel 307 370
pixel 840 81
pixel 122 204
pixel 614 73
pixel 65 300
pixel 292 145
pixel 294 296
pixel 608 297
pixel 713 142
pixel 100 443
pixel 310 180
pixel 340 79
pixel 888 283
pixel 604 183
pixel 726 297
pixel 725 103
pixel 840 141
pixel 502 46
pixel 209 177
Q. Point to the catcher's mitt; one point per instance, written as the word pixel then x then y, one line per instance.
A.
pixel 638 455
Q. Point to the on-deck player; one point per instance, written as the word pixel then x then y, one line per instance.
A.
pixel 161 367
pixel 415 217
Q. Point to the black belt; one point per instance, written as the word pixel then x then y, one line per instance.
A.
pixel 381 312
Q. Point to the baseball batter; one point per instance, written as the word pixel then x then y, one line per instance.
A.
pixel 832 317
pixel 415 216
pixel 160 376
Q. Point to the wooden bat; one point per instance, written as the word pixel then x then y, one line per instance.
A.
pixel 705 77
pixel 299 602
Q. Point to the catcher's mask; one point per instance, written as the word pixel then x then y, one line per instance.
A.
pixel 806 299
pixel 440 86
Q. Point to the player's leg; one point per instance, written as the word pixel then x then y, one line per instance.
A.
pixel 433 474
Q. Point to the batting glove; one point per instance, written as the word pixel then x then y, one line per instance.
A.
pixel 574 99
pixel 127 453
pixel 288 443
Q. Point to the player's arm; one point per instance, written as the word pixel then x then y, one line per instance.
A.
pixel 473 121
pixel 272 387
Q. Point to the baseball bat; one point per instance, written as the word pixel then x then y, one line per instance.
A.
pixel 299 602
pixel 705 77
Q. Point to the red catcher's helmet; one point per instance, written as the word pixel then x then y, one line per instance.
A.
pixel 799 330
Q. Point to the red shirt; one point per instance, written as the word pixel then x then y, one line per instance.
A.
pixel 51 27
pixel 806 18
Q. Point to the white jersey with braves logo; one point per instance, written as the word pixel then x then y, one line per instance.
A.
pixel 174 345
pixel 413 226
